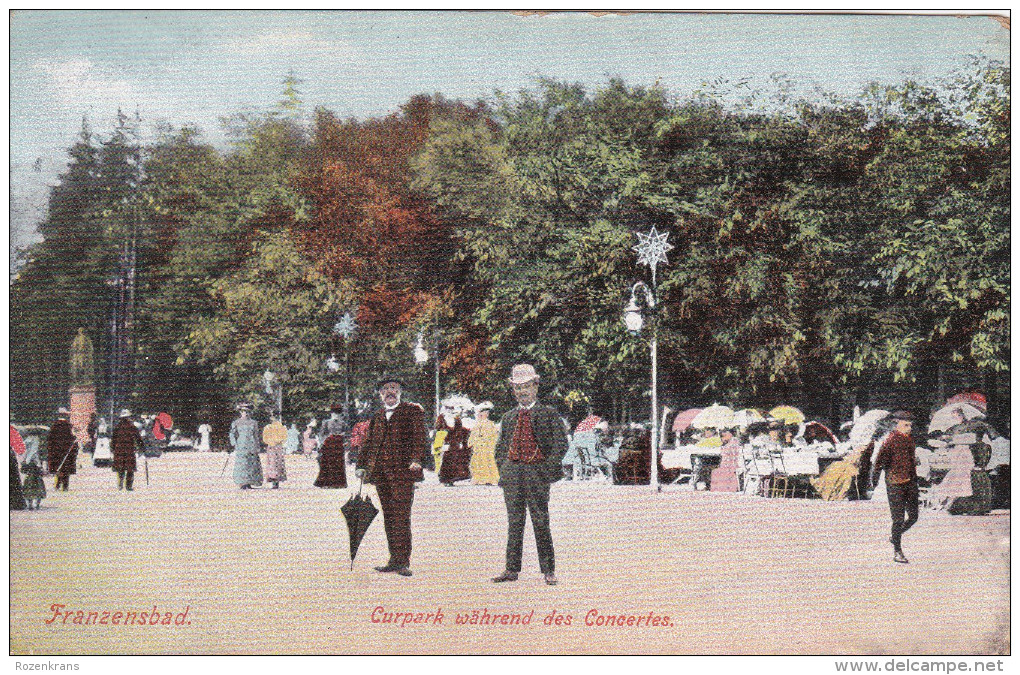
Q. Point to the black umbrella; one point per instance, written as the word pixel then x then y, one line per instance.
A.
pixel 359 513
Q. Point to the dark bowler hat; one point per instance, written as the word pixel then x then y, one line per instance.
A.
pixel 905 415
pixel 386 379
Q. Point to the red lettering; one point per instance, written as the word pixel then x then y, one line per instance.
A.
pixel 55 608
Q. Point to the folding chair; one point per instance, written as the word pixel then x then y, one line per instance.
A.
pixel 756 470
pixel 584 445
pixel 780 477
pixel 601 462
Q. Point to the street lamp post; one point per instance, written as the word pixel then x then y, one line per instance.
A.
pixel 273 385
pixel 635 322
pixel 421 357
pixel 344 329
pixel 651 250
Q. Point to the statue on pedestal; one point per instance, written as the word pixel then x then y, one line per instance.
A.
pixel 83 390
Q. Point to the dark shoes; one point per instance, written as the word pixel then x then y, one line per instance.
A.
pixel 899 557
pixel 550 578
pixel 402 570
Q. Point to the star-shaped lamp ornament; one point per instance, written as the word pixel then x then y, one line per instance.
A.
pixel 346 326
pixel 652 248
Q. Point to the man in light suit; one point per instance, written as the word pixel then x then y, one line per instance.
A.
pixel 530 448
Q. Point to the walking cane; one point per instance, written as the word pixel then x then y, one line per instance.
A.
pixel 65 459
pixel 146 469
pixel 225 465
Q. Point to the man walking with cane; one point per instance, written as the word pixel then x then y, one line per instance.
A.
pixel 391 459
pixel 62 450
pixel 531 445
pixel 125 442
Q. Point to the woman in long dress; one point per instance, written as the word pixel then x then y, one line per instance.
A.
pixel 34 488
pixel 457 456
pixel 309 441
pixel 293 442
pixel 17 493
pixel 332 470
pixel 482 445
pixel 724 476
pixel 837 479
pixel 966 489
pixel 274 435
pixel 244 438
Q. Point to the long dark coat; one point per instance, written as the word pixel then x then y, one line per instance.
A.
pixel 332 472
pixel 17 496
pixel 59 444
pixel 123 443
pixel 457 458
pixel 391 446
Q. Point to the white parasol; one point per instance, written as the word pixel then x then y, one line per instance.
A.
pixel 714 417
pixel 865 426
pixel 951 415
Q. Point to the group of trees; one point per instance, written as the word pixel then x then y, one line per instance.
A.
pixel 822 248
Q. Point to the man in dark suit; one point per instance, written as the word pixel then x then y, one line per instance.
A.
pixel 530 448
pixel 126 441
pixel 391 459
pixel 62 450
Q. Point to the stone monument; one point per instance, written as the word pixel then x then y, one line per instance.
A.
pixel 83 386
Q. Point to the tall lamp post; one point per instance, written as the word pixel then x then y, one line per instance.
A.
pixel 421 357
pixel 273 385
pixel 344 329
pixel 651 250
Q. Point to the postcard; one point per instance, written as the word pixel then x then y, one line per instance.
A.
pixel 563 333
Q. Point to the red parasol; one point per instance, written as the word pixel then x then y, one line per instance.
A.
pixel 17 444
pixel 684 419
pixel 163 421
pixel 816 431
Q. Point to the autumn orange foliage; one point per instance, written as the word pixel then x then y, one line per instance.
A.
pixel 368 226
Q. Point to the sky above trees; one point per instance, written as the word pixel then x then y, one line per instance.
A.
pixel 195 67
